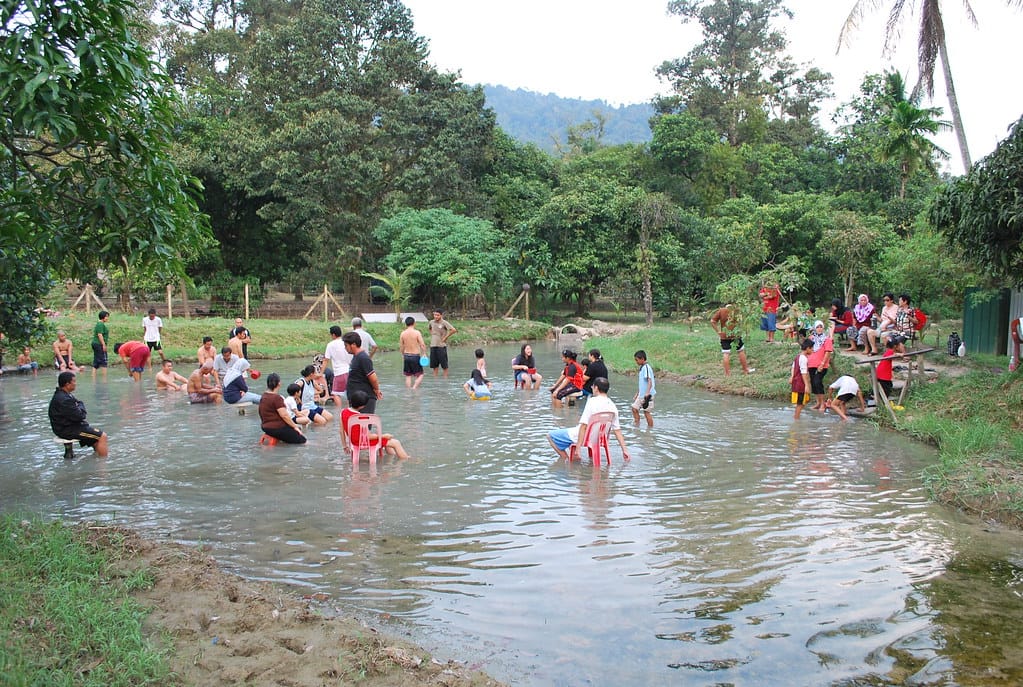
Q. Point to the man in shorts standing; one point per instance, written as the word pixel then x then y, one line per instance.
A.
pixel 724 323
pixel 152 328
pixel 340 363
pixel 100 338
pixel 440 331
pixel 412 347
pixel 67 416
pixel 362 376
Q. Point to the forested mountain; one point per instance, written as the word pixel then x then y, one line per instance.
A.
pixel 531 117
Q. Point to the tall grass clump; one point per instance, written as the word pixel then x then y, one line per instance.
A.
pixel 66 614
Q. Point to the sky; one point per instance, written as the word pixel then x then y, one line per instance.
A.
pixel 609 49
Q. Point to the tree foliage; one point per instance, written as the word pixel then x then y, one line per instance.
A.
pixel 981 213
pixel 88 121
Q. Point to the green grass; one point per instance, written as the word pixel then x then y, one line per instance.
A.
pixel 272 339
pixel 66 614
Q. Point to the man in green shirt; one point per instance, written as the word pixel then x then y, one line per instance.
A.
pixel 100 334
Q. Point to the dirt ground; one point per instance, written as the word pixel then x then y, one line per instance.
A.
pixel 225 630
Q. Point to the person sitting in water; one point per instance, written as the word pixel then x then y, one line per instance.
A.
pixel 274 416
pixel 25 362
pixel 63 353
pixel 312 385
pixel 202 385
pixel 563 439
pixel 167 378
pixel 235 388
pixel 67 416
pixel 571 379
pixel 524 366
pixel 594 368
pixel 350 436
pixel 477 388
pixel 294 403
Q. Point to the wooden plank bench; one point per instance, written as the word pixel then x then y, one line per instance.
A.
pixel 879 395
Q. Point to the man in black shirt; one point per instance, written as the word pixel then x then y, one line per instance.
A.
pixel 361 375
pixel 67 416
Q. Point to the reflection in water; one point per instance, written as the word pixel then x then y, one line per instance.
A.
pixel 737 546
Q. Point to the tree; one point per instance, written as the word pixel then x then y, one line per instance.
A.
pixel 931 45
pixel 87 176
pixel 448 254
pixel 656 213
pixel 908 125
pixel 739 72
pixel 395 286
pixel 855 242
pixel 981 213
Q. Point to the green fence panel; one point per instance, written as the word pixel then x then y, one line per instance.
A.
pixel 986 322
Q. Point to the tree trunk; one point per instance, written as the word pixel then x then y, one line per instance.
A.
pixel 953 106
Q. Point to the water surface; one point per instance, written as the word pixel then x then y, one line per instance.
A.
pixel 736 547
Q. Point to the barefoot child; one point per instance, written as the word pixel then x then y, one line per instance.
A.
pixel 357 400
pixel 477 388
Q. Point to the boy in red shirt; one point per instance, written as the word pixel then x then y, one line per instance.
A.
pixel 357 400
pixel 894 345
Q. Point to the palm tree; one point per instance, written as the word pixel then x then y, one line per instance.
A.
pixel 396 287
pixel 931 46
pixel 909 126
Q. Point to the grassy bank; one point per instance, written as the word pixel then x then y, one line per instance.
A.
pixel 66 613
pixel 274 339
pixel 972 412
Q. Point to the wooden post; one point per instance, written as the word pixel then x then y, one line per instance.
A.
pixel 325 301
pixel 527 306
pixel 246 300
pixel 184 299
pixel 170 301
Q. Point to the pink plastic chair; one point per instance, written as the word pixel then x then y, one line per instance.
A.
pixel 364 422
pixel 597 432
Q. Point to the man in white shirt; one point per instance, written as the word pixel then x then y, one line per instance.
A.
pixel 844 389
pixel 152 327
pixel 368 343
pixel 563 439
pixel 340 362
pixel 222 363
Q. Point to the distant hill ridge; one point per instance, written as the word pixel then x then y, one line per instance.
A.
pixel 541 119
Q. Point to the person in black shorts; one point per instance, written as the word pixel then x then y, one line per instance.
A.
pixel 67 416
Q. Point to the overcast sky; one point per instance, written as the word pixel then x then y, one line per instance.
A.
pixel 609 49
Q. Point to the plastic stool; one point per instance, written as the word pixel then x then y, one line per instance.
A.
pixel 267 440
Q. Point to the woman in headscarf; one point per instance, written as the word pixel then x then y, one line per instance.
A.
pixel 863 313
pixel 235 388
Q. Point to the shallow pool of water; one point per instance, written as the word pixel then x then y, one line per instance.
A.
pixel 736 547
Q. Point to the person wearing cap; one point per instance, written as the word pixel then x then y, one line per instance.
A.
pixel 67 416
pixel 203 387
pixel 368 343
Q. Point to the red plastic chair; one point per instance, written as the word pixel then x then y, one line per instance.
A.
pixel 597 432
pixel 365 422
pixel 267 440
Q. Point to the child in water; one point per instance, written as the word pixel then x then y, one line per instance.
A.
pixel 351 436
pixel 478 387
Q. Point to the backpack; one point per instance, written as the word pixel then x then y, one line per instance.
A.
pixel 953 344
